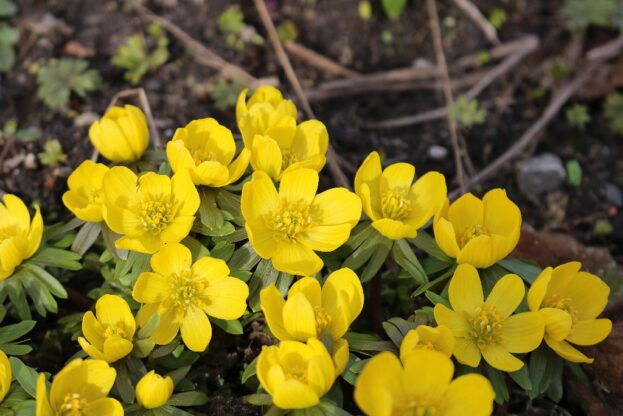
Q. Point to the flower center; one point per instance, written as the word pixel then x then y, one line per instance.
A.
pixel 485 324
pixel 288 158
pixel 186 291
pixel 73 405
pixel 426 345
pixel 560 302
pixel 296 373
pixel 291 218
pixel 396 204
pixel 114 331
pixel 95 197
pixel 470 233
pixel 417 407
pixel 323 319
pixel 200 155
pixel 155 215
pixel 6 233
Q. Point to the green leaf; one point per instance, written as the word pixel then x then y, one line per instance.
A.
pixel 195 246
pixel 49 281
pixel 123 383
pixel 527 271
pixel 10 333
pixel 223 250
pixel 59 77
pixel 427 286
pixel 244 258
pixel 233 326
pixel 7 8
pixel 249 371
pixel 522 378
pixel 366 343
pixel 426 243
pixel 555 390
pixel 25 376
pixel 17 296
pixel 150 326
pixel 264 275
pixel 56 257
pixel 406 258
pixel 467 112
pixel 498 382
pixel 52 154
pixel 377 260
pixel 397 328
pixel 365 250
pixel 188 398
pixel 539 371
pixel 86 237
pixel 258 399
pixel 394 8
pixel 435 298
pixel 574 173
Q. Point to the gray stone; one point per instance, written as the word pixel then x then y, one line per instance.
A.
pixel 613 194
pixel 437 152
pixel 540 174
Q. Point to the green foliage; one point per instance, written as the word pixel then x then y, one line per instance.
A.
pixel 613 112
pixel 7 8
pixel 558 70
pixel 387 37
pixel 364 9
pixel 52 153
pixel 574 173
pixel 497 18
pixel 394 8
pixel 24 135
pixel 577 115
pixel 8 38
pixel 468 112
pixel 224 93
pixel 602 228
pixel 579 14
pixel 231 22
pixel 484 57
pixel 135 57
pixel 287 31
pixel 60 77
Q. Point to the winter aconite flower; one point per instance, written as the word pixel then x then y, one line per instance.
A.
pixel 6 375
pixel 570 301
pixel 121 135
pixel 295 374
pixel 266 113
pixel 478 232
pixel 84 197
pixel 109 332
pixel 206 150
pixel 153 390
pixel 280 154
pixel 312 312
pixel 184 293
pixel 19 237
pixel 426 337
pixel 289 225
pixel 424 386
pixel 80 388
pixel 487 328
pixel 397 206
pixel 149 211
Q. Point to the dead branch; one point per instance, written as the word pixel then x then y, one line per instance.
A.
pixel 282 56
pixel 317 60
pixel 474 13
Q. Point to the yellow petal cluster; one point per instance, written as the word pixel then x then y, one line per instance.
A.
pixel 149 211
pixel 478 232
pixel 397 206
pixel 80 388
pixel 424 386
pixel 314 312
pixel 6 375
pixel 109 332
pixel 206 149
pixel 488 328
pixel 84 197
pixel 121 135
pixel 570 302
pixel 289 225
pixel 19 236
pixel 185 293
pixel 153 390
pixel 296 374
pixel 438 338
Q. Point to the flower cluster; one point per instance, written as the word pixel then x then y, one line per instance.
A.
pixel 223 234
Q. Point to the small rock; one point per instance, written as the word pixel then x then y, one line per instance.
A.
pixel 31 161
pixel 437 152
pixel 613 194
pixel 540 174
pixel 85 119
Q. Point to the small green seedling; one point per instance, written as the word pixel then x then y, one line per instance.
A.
pixel 60 77
pixel 136 58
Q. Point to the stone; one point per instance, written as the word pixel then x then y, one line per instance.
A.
pixel 436 152
pixel 540 174
pixel 613 194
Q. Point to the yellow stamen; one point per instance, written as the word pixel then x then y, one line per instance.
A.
pixel 288 158
pixel 396 204
pixel 7 232
pixel 323 319
pixel 155 215
pixel 471 233
pixel 73 405
pixel 290 218
pixel 417 406
pixel 558 301
pixel 485 324
pixel 112 331
pixel 296 373
pixel 186 290
pixel 200 155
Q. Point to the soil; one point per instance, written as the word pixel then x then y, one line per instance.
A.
pixel 177 94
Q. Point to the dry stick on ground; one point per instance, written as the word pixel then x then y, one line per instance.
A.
pixel 529 44
pixel 474 13
pixel 144 102
pixel 282 56
pixel 317 60
pixel 440 57
pixel 596 57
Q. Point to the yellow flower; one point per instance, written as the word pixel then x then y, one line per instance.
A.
pixel 478 232
pixel 206 149
pixel 149 211
pixel 295 374
pixel 80 388
pixel 570 301
pixel 287 227
pixel 19 237
pixel 265 114
pixel 312 312
pixel 397 206
pixel 426 337
pixel 6 375
pixel 153 390
pixel 488 328
pixel 278 155
pixel 84 197
pixel 121 135
pixel 184 293
pixel 424 386
pixel 110 331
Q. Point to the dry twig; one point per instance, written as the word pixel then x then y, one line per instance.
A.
pixel 317 60
pixel 282 56
pixel 474 13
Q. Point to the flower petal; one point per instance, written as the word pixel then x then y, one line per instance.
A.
pixel 297 259
pixel 467 352
pixel 338 206
pixel 465 213
pixel 394 229
pixel 309 287
pixel 397 176
pixel 150 288
pixel 266 156
pixel 506 295
pixel 113 311
pixel 590 331
pixel 501 215
pixel 557 323
pixel 522 332
pixel 272 305
pixel 380 385
pixel 537 291
pixel 446 237
pixel 470 394
pixel 498 357
pixel 227 298
pixel 455 321
pixel 259 197
pixel 465 290
pixel 196 330
pixel 433 372
pixel 428 194
pixel 299 186
pixel 566 351
pixel 171 259
pixel 325 237
pixel 292 394
pixel 589 295
pixel 105 406
pixel 299 318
